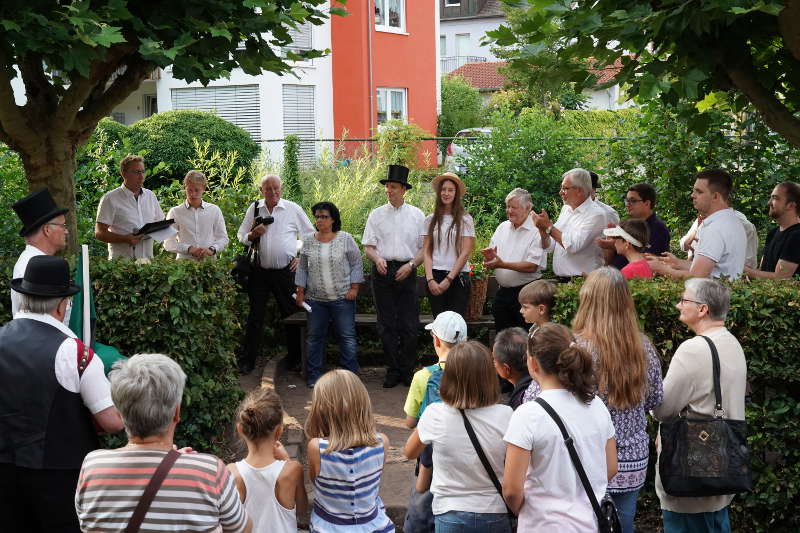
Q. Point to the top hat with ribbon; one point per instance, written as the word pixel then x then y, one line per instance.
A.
pixel 35 210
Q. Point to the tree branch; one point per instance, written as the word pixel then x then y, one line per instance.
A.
pixel 13 122
pixel 789 26
pixel 41 97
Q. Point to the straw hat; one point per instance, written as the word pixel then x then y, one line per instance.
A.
pixel 452 177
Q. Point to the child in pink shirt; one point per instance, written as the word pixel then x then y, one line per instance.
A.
pixel 630 240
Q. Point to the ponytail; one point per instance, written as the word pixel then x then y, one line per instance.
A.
pixel 557 354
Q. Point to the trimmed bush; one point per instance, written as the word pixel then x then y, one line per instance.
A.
pixel 764 317
pixel 167 138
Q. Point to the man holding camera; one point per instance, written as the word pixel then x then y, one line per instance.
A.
pixel 274 227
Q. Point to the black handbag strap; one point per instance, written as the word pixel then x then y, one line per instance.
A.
pixel 252 250
pixel 576 461
pixel 484 460
pixel 719 412
pixel 150 491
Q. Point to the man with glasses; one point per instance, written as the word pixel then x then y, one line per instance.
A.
pixel 574 235
pixel 124 210
pixel 44 229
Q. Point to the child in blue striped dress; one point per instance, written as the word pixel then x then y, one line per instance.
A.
pixel 346 456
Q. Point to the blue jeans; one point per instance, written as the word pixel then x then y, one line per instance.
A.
pixel 714 522
pixel 466 522
pixel 343 313
pixel 626 508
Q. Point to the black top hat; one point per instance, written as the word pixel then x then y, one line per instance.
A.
pixel 35 210
pixel 397 174
pixel 46 276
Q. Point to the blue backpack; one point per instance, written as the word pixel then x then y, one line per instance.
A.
pixel 432 387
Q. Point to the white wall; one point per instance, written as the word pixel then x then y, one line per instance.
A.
pixel 476 28
pixel 606 99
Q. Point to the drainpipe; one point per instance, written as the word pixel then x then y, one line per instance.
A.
pixel 370 18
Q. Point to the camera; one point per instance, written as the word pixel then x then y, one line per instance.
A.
pixel 264 220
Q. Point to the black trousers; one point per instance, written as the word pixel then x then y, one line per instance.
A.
pixel 397 306
pixel 38 501
pixel 506 308
pixel 455 298
pixel 280 283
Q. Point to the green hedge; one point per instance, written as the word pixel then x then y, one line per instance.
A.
pixel 765 318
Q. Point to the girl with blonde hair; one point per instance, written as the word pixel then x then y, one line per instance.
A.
pixel 449 237
pixel 628 372
pixel 464 496
pixel 345 457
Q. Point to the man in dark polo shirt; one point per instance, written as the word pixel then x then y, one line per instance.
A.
pixel 640 202
pixel 782 251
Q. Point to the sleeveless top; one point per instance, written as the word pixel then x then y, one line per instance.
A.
pixel 262 506
pixel 346 491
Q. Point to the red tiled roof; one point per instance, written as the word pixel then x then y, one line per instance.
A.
pixel 482 76
pixel 607 73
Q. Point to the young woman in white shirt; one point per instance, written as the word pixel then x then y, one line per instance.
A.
pixel 449 240
pixel 465 499
pixel 540 483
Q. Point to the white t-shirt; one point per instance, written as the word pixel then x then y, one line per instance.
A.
pixel 722 239
pixel 444 252
pixel 555 499
pixel 460 483
pixel 125 213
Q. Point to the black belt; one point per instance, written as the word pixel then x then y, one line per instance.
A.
pixel 393 262
pixel 275 269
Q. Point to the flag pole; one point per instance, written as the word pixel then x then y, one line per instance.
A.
pixel 87 307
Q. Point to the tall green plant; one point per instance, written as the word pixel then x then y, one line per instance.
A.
pixel 291 169
pixel 462 107
pixel 399 143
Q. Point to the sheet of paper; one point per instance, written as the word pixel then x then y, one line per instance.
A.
pixel 305 304
pixel 163 234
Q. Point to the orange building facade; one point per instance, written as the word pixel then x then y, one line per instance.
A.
pixel 385 66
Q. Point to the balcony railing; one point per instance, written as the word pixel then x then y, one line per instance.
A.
pixel 450 63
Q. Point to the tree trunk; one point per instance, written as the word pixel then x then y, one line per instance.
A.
pixel 52 165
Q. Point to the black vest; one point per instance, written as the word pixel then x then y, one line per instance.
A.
pixel 42 425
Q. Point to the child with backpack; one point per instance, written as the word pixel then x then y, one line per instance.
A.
pixel 269 484
pixel 345 457
pixel 447 329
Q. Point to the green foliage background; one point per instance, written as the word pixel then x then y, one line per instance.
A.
pixel 462 107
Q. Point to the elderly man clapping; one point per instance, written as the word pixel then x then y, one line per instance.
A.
pixel 516 254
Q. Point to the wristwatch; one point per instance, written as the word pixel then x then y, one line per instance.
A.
pixel 411 262
pixel 549 229
pixel 213 250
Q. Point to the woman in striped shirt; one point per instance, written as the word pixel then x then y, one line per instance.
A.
pixel 345 457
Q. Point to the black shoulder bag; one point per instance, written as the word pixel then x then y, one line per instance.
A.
pixel 705 456
pixel 243 263
pixel 605 510
pixel 487 466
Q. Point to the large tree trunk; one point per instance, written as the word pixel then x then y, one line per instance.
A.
pixel 52 165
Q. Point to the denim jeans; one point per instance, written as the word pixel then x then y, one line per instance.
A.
pixel 466 522
pixel 343 313
pixel 626 508
pixel 713 522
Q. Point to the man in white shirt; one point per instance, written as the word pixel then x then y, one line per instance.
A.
pixel 572 238
pixel 612 217
pixel 44 228
pixel 200 225
pixel 274 227
pixel 124 210
pixel 516 255
pixel 55 399
pixel 392 241
pixel 687 242
pixel 721 244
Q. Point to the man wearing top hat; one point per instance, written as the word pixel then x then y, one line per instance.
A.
pixel 54 396
pixel 44 229
pixel 392 241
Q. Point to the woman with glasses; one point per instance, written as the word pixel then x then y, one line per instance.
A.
pixel 628 372
pixel 689 389
pixel 327 278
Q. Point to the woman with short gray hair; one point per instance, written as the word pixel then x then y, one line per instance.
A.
pixel 198 493
pixel 689 389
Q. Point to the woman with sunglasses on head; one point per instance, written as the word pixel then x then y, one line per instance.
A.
pixel 328 276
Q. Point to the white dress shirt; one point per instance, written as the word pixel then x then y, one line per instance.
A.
pixel 93 386
pixel 722 239
pixel 125 213
pixel 612 217
pixel 203 227
pixel 444 253
pixel 19 271
pixel 395 232
pixel 518 244
pixel 579 228
pixel 278 245
pixel 751 253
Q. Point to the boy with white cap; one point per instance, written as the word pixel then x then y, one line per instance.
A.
pixel 630 240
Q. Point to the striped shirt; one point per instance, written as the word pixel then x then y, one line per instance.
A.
pixel 198 494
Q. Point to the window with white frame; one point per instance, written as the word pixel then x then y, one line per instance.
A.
pixel 390 15
pixel 442 45
pixel 392 104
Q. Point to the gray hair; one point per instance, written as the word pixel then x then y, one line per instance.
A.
pixel 712 293
pixel 266 177
pixel 38 304
pixel 146 389
pixel 522 195
pixel 510 348
pixel 580 177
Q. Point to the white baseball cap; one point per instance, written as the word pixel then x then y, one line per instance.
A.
pixel 616 231
pixel 449 326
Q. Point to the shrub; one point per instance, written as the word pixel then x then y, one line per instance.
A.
pixel 291 169
pixel 167 137
pixel 399 143
pixel 13 186
pixel 763 317
pixel 462 107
